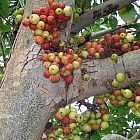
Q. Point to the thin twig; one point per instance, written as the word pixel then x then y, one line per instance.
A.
pixel 21 4
pixel 106 31
pixel 6 21
pixel 3 54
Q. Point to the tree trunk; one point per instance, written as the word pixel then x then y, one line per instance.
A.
pixel 27 99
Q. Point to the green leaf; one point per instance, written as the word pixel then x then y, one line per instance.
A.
pixel 128 13
pixel 94 3
pixel 95 136
pixel 113 22
pixel 78 4
pixel 131 116
pixel 88 4
pixel 86 33
pixel 8 51
pixel 4 27
pixel 4 8
pixel 135 26
pixel 137 35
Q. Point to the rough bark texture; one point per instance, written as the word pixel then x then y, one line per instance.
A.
pixel 99 11
pixel 113 137
pixel 27 99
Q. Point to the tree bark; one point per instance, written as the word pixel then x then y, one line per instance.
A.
pixel 27 99
pixel 97 12
pixel 113 137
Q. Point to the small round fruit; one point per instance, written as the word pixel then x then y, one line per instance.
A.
pixel 62 111
pixel 123 35
pixel 21 11
pixel 38 32
pixel 67 11
pixel 114 57
pixel 106 117
pixel 98 115
pixel 73 109
pixel 67 72
pixel 50 20
pixel 73 115
pixel 76 64
pixel 25 22
pixel 103 111
pixel 43 18
pixel 86 77
pixel 115 83
pixel 32 27
pixel 53 69
pixel 58 11
pixel 60 55
pixel 95 127
pixel 80 118
pixel 46 74
pixel 107 37
pixel 69 67
pixel 120 77
pixel 84 53
pixel 127 93
pixel 117 92
pixel 137 92
pixel 61 5
pixel 39 40
pixel 137 99
pixel 81 39
pixel 86 127
pixel 76 17
pixel 79 10
pixel 116 38
pixel 76 137
pixel 47 64
pixel 40 25
pixel 16 12
pixel 51 56
pixel 98 121
pixel 58 116
pixel 97 55
pixel 130 37
pixel 60 131
pixel 18 18
pixel 72 126
pixel 88 45
pixel 66 131
pixel 50 37
pixel 99 101
pixel 92 51
pixel 34 18
pixel 130 104
pixel 104 125
pixel 55 78
pixel 68 79
pixel 45 34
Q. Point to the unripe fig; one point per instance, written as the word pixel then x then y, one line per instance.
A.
pixel 18 18
pixel 34 18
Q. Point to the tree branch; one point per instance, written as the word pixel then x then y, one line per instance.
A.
pixel 106 31
pixel 102 72
pixel 113 137
pixel 3 54
pixel 136 135
pixel 99 11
